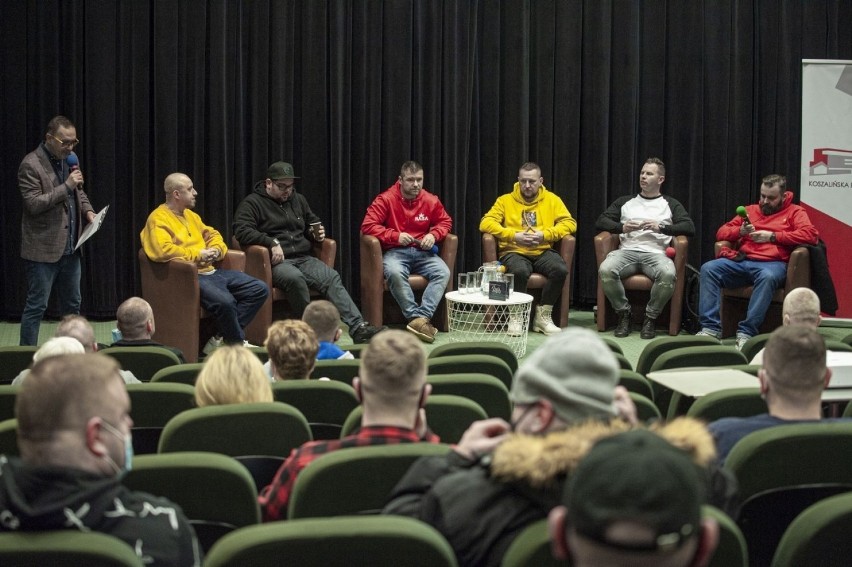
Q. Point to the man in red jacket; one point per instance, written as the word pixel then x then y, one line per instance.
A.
pixel 764 239
pixel 408 221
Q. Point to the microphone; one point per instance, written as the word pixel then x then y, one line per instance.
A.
pixel 434 248
pixel 741 212
pixel 74 164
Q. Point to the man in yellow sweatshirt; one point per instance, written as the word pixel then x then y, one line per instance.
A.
pixel 526 223
pixel 174 232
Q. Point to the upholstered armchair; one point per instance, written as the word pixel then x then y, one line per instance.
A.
pixel 638 286
pixel 377 304
pixel 537 281
pixel 172 290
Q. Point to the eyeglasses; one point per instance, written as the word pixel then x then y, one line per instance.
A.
pixel 285 186
pixel 65 144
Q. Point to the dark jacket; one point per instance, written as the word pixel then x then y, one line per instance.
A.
pixel 480 507
pixel 53 498
pixel 260 219
pixel 44 221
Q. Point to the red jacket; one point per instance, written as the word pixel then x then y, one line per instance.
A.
pixel 791 226
pixel 390 214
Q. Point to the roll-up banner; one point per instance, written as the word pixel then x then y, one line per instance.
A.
pixel 826 190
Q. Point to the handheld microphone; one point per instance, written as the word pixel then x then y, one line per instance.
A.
pixel 74 164
pixel 741 212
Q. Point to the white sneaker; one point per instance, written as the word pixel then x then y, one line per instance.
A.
pixel 515 327
pixel 741 341
pixel 214 343
pixel 543 322
pixel 249 345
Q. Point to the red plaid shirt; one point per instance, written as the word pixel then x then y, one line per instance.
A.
pixel 274 498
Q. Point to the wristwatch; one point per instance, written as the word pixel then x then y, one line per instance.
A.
pixel 772 237
pixel 275 242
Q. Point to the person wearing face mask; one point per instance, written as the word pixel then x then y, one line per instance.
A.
pixel 502 476
pixel 763 240
pixel 391 385
pixel 74 437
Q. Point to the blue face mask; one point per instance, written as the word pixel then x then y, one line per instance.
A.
pixel 128 449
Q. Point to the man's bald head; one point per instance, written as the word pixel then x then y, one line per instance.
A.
pixel 135 319
pixel 801 307
pixel 77 327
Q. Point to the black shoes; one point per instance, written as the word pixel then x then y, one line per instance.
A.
pixel 364 332
pixel 623 327
pixel 649 328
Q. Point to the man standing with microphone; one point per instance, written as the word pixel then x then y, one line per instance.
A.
pixel 764 235
pixel 55 207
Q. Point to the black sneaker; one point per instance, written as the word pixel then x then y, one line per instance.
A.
pixel 364 332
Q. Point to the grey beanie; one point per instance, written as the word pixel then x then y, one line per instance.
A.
pixel 575 370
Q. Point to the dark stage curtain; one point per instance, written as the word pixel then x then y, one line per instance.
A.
pixel 349 89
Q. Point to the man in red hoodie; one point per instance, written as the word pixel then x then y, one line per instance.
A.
pixel 409 221
pixel 764 239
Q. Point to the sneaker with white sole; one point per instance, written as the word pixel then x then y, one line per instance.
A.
pixel 515 328
pixel 708 333
pixel 741 341
pixel 249 345
pixel 214 343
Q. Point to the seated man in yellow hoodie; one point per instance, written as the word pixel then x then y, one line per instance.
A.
pixel 174 232
pixel 526 223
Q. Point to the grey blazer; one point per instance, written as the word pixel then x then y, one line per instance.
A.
pixel 44 222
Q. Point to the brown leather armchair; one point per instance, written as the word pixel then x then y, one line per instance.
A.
pixel 379 307
pixel 172 290
pixel 537 281
pixel 638 286
pixel 734 303
pixel 259 265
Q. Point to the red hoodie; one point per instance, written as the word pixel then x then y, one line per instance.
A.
pixel 390 213
pixel 791 226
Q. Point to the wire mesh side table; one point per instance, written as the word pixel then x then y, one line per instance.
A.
pixel 474 317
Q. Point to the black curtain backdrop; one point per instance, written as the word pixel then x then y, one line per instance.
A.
pixel 347 90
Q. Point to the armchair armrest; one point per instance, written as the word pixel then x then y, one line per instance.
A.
pixel 798 269
pixel 372 278
pixel 489 248
pixel 448 251
pixel 326 251
pixel 605 242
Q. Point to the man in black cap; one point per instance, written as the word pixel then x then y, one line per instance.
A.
pixel 634 500
pixel 274 215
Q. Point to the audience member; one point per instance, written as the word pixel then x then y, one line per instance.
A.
pixel 392 389
pixel 634 501
pixel 55 210
pixel 322 316
pixel 526 224
pixel 51 347
pixel 136 325
pixel 173 231
pixel 645 224
pixel 232 375
pixel 408 221
pixel 292 347
pixel 276 216
pixel 792 379
pixel 74 437
pixel 763 239
pixel 494 484
pixel 801 307
pixel 74 327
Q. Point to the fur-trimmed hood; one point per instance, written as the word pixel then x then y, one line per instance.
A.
pixel 542 461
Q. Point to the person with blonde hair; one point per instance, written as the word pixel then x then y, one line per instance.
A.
pixel 292 347
pixel 232 375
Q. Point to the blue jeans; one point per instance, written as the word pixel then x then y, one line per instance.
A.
pixel 297 276
pixel 766 277
pixel 41 278
pixel 399 263
pixel 620 264
pixel 549 263
pixel 233 298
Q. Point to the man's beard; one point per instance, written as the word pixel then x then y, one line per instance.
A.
pixel 769 209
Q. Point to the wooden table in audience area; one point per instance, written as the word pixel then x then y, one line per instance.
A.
pixel 695 382
pixel 474 317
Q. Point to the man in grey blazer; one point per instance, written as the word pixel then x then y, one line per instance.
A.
pixel 54 213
